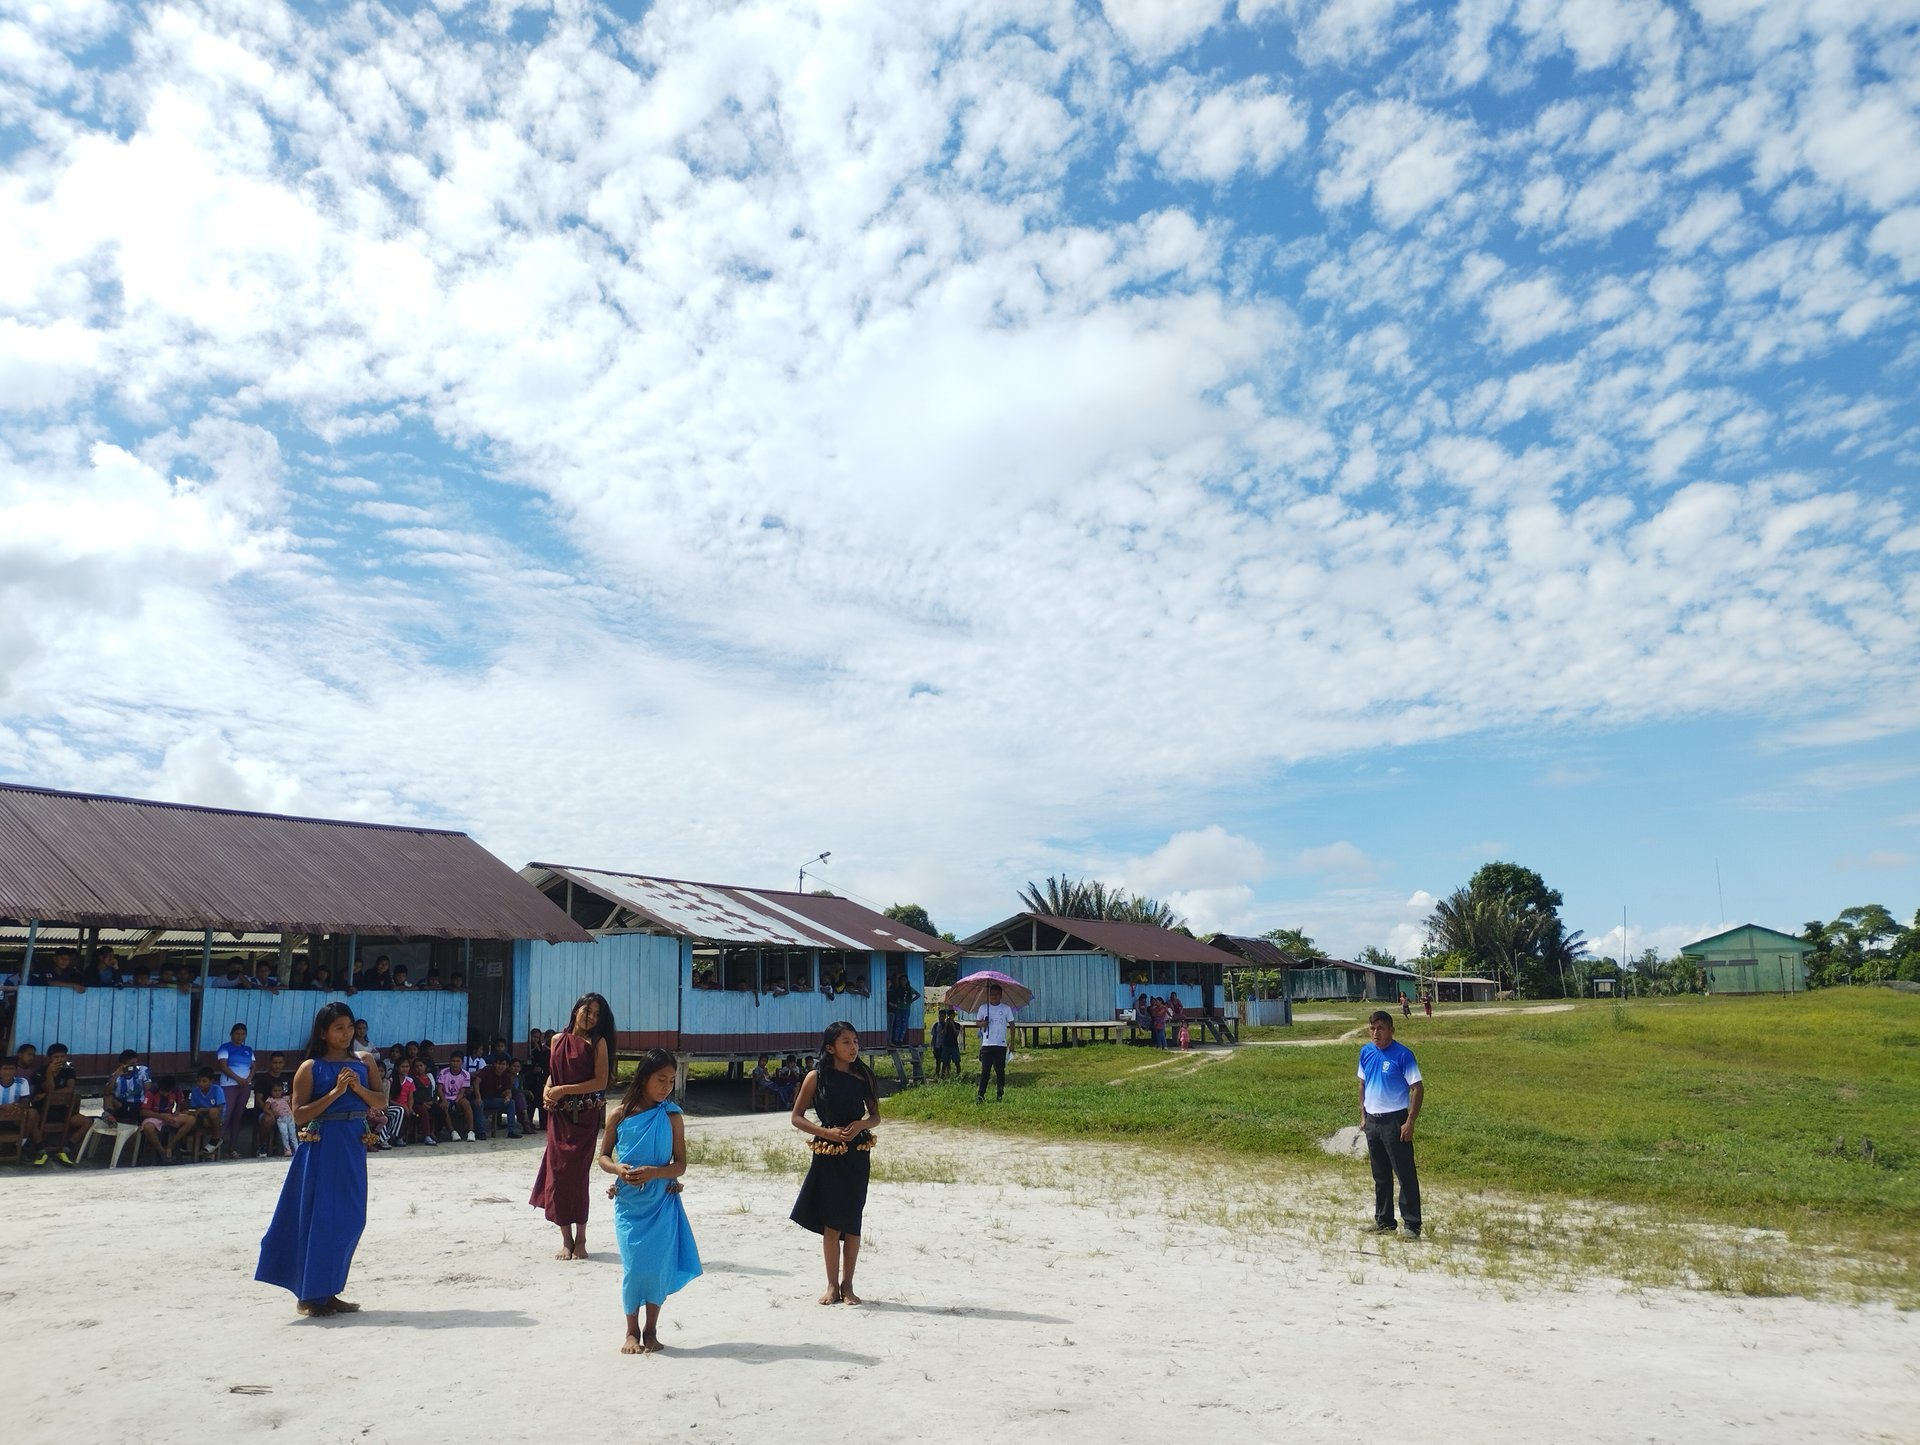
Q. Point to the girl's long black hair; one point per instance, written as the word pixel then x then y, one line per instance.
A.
pixel 825 1065
pixel 602 1030
pixel 651 1063
pixel 329 1015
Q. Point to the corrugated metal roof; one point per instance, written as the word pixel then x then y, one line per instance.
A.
pixel 1260 952
pixel 1124 940
pixel 723 913
pixel 93 860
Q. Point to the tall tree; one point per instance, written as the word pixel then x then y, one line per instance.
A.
pixel 1507 921
pixel 1295 944
pixel 914 916
pixel 1376 958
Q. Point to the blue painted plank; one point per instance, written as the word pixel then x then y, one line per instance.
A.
pixel 1067 987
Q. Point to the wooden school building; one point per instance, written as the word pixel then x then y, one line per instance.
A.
pixel 173 887
pixel 715 971
pixel 1089 971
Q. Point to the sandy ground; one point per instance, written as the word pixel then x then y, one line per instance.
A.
pixel 1085 1313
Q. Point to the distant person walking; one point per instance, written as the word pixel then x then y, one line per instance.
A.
pixel 995 1020
pixel 1390 1097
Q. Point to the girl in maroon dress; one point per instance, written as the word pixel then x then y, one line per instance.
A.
pixel 579 1066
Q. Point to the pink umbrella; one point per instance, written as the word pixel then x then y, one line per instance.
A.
pixel 971 992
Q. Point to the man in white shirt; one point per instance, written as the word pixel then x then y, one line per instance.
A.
pixel 994 1018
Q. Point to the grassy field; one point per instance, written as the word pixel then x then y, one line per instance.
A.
pixel 1717 1112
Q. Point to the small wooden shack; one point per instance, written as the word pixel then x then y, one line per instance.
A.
pixel 1088 971
pixel 168 883
pixel 1256 979
pixel 1463 988
pixel 716 971
pixel 1751 959
pixel 1341 980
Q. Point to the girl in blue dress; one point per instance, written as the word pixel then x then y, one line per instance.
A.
pixel 323 1202
pixel 645 1148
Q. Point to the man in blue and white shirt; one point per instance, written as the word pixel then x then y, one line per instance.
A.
pixel 1390 1098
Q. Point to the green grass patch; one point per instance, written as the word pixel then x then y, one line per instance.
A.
pixel 1722 1112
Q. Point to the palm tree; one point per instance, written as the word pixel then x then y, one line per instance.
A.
pixel 1065 897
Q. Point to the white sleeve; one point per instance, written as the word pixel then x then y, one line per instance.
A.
pixel 1411 1074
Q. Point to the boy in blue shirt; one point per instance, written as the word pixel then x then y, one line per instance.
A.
pixel 208 1102
pixel 1391 1093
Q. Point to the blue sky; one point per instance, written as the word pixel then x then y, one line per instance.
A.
pixel 1273 455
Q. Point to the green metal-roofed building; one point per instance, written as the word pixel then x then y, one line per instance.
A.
pixel 1752 959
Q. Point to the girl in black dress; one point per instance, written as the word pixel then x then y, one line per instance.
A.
pixel 843 1096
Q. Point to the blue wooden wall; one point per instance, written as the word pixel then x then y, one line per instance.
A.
pixel 1067 987
pixel 638 974
pixel 101 1022
pixel 713 1021
pixel 282 1022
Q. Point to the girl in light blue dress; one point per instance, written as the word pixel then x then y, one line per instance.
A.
pixel 645 1149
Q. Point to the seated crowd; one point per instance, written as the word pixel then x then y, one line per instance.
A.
pixel 62 968
pixel 239 1103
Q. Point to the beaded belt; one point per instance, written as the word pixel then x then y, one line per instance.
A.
pixel 834 1146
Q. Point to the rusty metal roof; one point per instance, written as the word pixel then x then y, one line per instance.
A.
pixel 1260 952
pixel 87 859
pixel 723 913
pixel 1141 941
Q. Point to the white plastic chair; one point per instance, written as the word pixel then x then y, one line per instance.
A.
pixel 122 1135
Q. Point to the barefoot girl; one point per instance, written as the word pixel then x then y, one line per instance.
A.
pixel 841 1092
pixel 579 1064
pixel 645 1147
pixel 323 1202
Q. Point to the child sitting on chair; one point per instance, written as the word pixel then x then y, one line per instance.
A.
pixel 164 1118
pixel 14 1093
pixel 207 1101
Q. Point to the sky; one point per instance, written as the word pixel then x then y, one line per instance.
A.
pixel 1272 455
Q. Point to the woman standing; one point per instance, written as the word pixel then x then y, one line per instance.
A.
pixel 844 1098
pixel 308 1248
pixel 645 1148
pixel 579 1064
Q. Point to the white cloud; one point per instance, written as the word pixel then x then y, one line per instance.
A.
pixel 1406 159
pixel 1706 220
pixel 1197 858
pixel 1341 858
pixel 1523 312
pixel 1154 28
pixel 1200 133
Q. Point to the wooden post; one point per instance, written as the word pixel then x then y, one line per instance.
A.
pixel 353 959
pixel 33 937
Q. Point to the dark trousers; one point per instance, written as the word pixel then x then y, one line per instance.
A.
pixel 994 1057
pixel 1389 1157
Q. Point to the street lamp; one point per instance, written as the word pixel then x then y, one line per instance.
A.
pixel 801 887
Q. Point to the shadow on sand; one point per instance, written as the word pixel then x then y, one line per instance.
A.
pixel 434 1319
pixel 965 1312
pixel 721 1266
pixel 754 1353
